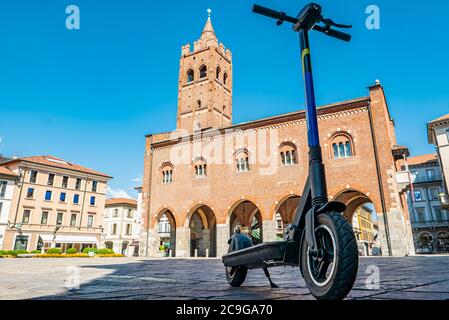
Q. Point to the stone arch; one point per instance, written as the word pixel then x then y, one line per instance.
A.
pixel 165 226
pixel 202 71
pixel 202 224
pixel 246 215
pixel 284 211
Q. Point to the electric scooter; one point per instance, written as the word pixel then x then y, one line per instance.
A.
pixel 319 240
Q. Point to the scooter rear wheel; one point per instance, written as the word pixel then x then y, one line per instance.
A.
pixel 236 275
pixel 331 275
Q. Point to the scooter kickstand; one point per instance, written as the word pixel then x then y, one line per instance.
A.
pixel 267 274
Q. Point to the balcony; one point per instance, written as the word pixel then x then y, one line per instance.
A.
pixel 444 199
pixel 403 179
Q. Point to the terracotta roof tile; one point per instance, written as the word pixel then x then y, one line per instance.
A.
pixel 115 201
pixel 445 117
pixel 422 159
pixel 7 172
pixel 59 163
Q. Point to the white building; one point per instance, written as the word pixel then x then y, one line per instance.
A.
pixel 438 135
pixel 121 226
pixel 8 180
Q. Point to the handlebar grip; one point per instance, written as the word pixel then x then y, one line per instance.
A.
pixel 266 11
pixel 338 34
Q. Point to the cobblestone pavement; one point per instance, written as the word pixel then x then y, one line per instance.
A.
pixel 420 277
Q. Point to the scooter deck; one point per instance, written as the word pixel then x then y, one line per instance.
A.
pixel 259 256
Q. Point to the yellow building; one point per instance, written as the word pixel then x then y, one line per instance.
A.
pixel 55 203
pixel 364 229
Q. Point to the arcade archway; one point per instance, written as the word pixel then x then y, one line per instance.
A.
pixel 247 217
pixel 203 232
pixel 166 228
pixel 285 213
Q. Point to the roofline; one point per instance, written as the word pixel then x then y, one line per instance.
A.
pixel 344 105
pixel 119 203
pixel 49 165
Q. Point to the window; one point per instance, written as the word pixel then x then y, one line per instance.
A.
pixel 114 229
pixel 73 220
pixel 65 181
pixel 76 198
pixel 342 146
pixel 33 176
pixel 3 185
pixel 129 229
pixel 26 216
pixel 21 243
pixel 44 217
pixel 30 193
pixel 51 179
pixel 218 73
pixel 430 174
pixel 94 186
pixel 59 218
pixel 418 195
pixel 438 213
pixel 242 162
pixel 62 197
pixel 447 135
pixel 200 171
pixel 190 76
pixel 167 174
pixel 78 183
pixel 92 201
pixel 115 214
pixel 225 78
pixel 130 213
pixel 420 215
pixel 90 220
pixel 48 195
pixel 434 193
pixel 288 154
pixel 198 104
pixel 203 72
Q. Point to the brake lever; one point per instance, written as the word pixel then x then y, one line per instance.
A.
pixel 330 23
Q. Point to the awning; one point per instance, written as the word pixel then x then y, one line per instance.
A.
pixel 68 238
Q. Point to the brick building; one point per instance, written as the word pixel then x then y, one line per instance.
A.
pixel 210 176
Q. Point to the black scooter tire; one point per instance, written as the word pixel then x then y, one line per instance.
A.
pixel 344 271
pixel 236 275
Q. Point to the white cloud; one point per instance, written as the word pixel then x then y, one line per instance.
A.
pixel 138 179
pixel 117 193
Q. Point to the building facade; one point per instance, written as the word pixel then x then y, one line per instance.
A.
pixel 55 204
pixel 365 231
pixel 121 226
pixel 430 222
pixel 8 180
pixel 438 135
pixel 210 176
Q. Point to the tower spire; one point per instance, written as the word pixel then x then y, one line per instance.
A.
pixel 208 31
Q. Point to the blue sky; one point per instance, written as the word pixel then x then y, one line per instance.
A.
pixel 91 95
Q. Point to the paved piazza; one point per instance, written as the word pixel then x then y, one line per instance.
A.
pixel 423 277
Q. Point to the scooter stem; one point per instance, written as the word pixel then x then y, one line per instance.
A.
pixel 316 167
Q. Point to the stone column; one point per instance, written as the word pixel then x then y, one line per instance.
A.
pixel 401 241
pixel 182 248
pixel 149 238
pixel 222 239
pixel 269 230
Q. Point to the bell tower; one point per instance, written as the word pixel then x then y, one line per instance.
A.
pixel 205 83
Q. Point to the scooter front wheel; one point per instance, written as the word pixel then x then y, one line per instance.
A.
pixel 236 275
pixel 331 274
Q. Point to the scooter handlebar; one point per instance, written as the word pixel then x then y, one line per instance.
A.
pixel 334 33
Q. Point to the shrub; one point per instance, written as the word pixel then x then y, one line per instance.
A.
pixel 105 251
pixel 36 251
pixel 2 252
pixel 16 252
pixel 71 251
pixel 87 250
pixel 54 251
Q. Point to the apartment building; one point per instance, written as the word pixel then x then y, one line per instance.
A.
pixel 55 203
pixel 121 226
pixel 8 180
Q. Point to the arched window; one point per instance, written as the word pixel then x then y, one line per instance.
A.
pixel 198 104
pixel 190 76
pixel 167 174
pixel 288 154
pixel 225 78
pixel 203 72
pixel 218 72
pixel 200 168
pixel 242 161
pixel 342 146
